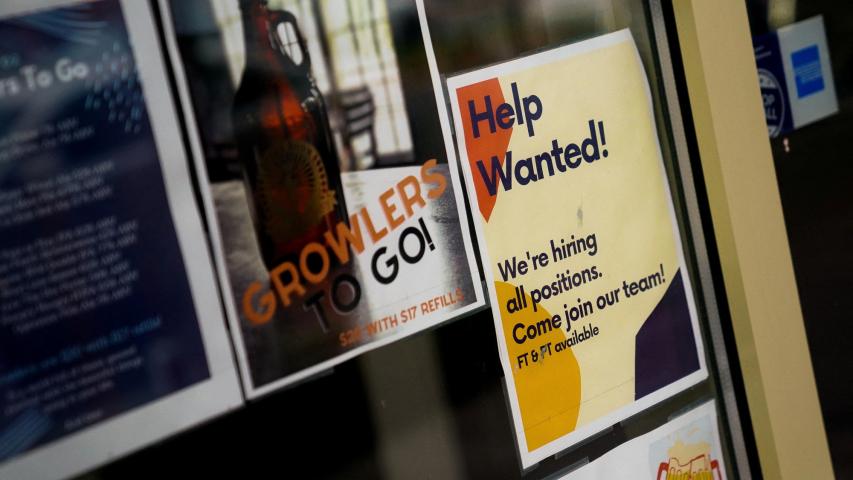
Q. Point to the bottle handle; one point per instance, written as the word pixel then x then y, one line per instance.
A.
pixel 283 17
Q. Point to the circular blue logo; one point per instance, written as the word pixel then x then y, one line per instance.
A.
pixel 774 101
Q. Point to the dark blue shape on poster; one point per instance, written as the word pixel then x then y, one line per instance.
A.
pixel 665 345
pixel 73 68
pixel 807 73
pixel 771 80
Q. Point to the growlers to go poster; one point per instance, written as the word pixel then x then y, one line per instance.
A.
pixel 337 223
pixel 593 307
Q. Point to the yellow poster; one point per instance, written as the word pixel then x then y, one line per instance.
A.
pixel 593 308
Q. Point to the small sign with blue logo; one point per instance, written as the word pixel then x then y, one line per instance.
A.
pixel 795 76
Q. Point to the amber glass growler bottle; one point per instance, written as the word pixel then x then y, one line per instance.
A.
pixel 290 165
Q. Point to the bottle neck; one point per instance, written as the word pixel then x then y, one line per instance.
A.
pixel 256 31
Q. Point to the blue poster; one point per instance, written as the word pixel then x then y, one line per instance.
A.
pixel 96 312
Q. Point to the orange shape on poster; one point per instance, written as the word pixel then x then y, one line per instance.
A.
pixel 488 144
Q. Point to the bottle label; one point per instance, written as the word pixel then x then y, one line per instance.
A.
pixel 293 189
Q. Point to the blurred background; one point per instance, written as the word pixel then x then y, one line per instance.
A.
pixel 351 45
